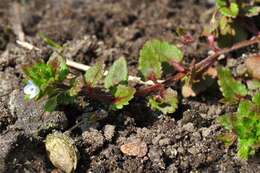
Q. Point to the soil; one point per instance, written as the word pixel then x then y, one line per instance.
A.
pixel 104 30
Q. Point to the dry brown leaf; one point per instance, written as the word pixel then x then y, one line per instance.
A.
pixel 253 66
pixel 134 148
pixel 187 91
pixel 192 90
pixel 212 72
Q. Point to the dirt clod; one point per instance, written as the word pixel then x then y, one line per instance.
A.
pixel 93 139
pixel 109 132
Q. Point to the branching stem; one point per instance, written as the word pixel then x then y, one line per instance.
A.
pixel 151 86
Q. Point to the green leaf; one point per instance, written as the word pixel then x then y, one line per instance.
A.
pixel 244 108
pixel 167 104
pixel 153 54
pixel 51 43
pixel 94 75
pixel 256 99
pixel 231 88
pixel 41 74
pixel 251 11
pixel 246 126
pixel 117 73
pixel 122 96
pixel 245 148
pixel 149 63
pixel 226 26
pixel 227 139
pixel 65 98
pixel 166 51
pixel 228 11
pixel 51 104
pixel 221 3
pixel 253 84
pixel 59 66
pixel 234 9
pixel 76 86
pixel 226 121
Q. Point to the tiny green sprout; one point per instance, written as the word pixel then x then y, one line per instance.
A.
pixel 244 125
pixel 46 79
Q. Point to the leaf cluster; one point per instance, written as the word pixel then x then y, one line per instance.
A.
pixel 48 77
pixel 232 22
pixel 52 78
pixel 244 125
pixel 153 56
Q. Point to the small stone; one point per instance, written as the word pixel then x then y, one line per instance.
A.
pixel 172 168
pixel 155 155
pixel 109 132
pixel 93 139
pixel 196 136
pixel 180 149
pixel 134 148
pixel 165 141
pixel 193 150
pixel 171 152
pixel 156 140
pixel 252 65
pixel 206 132
pixel 241 70
pixel 231 62
pixel 188 127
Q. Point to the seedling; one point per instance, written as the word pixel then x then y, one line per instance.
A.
pixel 244 125
pixel 51 79
pixel 160 66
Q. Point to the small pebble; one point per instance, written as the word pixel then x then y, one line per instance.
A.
pixel 188 127
pixel 109 132
pixel 252 65
pixel 134 148
pixel 165 141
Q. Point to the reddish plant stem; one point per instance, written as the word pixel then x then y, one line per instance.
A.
pixel 177 66
pixel 198 67
pixel 149 89
pixel 175 78
pixel 98 94
pixel 205 63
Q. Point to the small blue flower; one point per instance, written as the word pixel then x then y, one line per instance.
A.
pixel 31 89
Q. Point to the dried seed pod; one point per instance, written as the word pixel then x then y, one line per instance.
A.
pixel 62 152
pixel 253 66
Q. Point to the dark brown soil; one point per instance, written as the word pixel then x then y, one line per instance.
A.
pixel 104 30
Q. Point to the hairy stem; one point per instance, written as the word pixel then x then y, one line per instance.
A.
pixel 205 63
pixel 155 86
